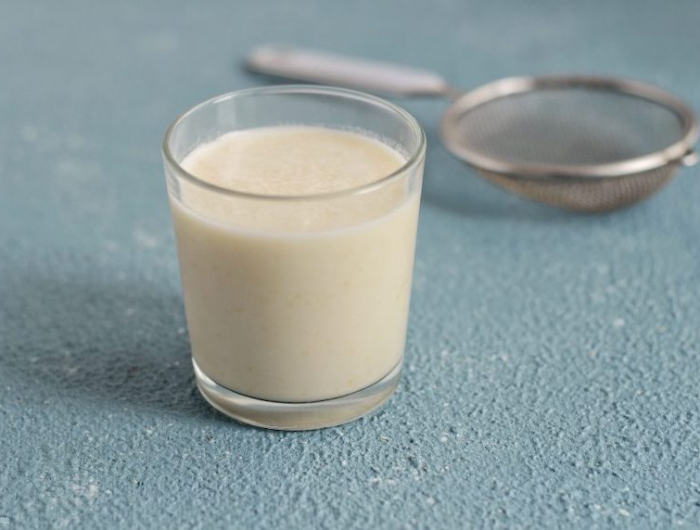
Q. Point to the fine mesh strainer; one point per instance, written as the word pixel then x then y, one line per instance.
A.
pixel 579 142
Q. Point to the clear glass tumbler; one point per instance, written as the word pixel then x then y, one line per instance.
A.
pixel 297 306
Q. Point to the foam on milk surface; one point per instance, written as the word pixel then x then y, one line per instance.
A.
pixel 292 160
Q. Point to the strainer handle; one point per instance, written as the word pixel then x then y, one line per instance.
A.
pixel 326 68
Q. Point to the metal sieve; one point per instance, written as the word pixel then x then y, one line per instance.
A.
pixel 579 142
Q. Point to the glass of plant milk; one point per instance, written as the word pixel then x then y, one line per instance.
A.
pixel 295 211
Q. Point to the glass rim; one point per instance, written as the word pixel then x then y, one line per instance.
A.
pixel 411 162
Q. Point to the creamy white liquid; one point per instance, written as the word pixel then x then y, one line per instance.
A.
pixel 302 301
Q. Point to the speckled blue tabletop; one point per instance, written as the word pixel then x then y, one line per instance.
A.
pixel 552 374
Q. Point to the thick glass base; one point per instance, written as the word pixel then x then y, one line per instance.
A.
pixel 297 416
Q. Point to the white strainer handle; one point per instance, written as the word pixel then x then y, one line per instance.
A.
pixel 325 68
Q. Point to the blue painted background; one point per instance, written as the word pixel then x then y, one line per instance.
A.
pixel 552 376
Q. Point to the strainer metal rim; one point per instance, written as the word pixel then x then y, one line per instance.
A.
pixel 519 85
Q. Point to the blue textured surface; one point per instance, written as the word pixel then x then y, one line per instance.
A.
pixel 552 376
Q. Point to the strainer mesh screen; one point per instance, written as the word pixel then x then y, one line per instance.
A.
pixel 568 126
pixel 588 195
